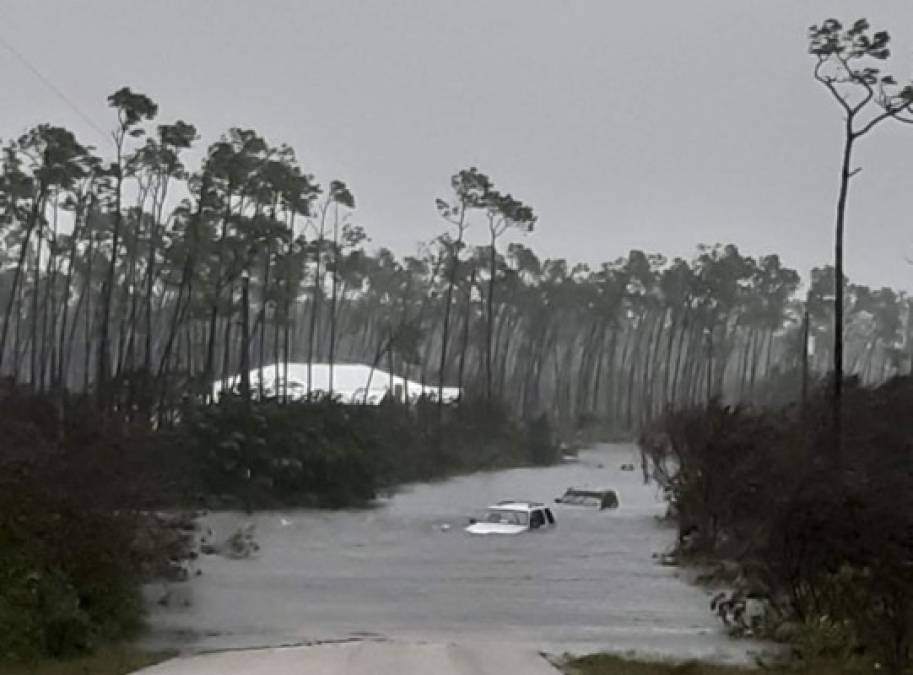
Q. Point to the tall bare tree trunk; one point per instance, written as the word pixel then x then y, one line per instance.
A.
pixel 677 368
pixel 448 302
pixel 218 281
pixel 467 318
pixel 107 293
pixel 489 328
pixel 845 175
pixel 80 224
pixel 805 332
pixel 36 286
pixel 34 214
pixel 316 297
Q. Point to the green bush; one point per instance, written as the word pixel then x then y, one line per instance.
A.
pixel 267 454
pixel 262 454
pixel 76 538
pixel 70 571
pixel 824 536
pixel 39 608
pixel 67 582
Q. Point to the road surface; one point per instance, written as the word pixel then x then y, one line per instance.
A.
pixel 366 658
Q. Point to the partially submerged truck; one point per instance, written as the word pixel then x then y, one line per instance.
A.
pixel 600 499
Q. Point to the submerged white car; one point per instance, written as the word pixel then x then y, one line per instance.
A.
pixel 513 517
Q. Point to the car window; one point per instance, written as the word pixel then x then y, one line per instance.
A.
pixel 537 519
pixel 609 500
pixel 506 517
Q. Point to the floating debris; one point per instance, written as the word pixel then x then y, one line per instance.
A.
pixel 239 545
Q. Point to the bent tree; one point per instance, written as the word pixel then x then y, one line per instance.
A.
pixel 132 109
pixel 845 61
pixel 44 160
pixel 503 212
pixel 470 188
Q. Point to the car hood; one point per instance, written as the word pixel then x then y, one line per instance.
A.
pixel 495 528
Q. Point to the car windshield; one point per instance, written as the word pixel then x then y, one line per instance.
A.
pixel 506 517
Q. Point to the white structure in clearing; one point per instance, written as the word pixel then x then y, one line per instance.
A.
pixel 350 381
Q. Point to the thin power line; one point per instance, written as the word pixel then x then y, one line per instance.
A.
pixel 50 85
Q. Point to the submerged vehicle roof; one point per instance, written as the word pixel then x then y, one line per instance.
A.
pixel 588 492
pixel 516 505
pixel 605 499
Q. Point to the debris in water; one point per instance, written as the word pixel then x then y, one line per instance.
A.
pixel 239 545
pixel 174 597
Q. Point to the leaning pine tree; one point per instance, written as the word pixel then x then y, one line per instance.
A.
pixel 845 66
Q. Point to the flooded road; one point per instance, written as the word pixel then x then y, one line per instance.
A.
pixel 397 572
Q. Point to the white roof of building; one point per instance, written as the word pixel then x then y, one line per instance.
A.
pixel 350 380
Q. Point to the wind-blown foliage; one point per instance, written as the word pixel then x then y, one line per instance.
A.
pixel 847 64
pixel 112 285
pixel 826 547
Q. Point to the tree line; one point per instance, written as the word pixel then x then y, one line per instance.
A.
pixel 111 286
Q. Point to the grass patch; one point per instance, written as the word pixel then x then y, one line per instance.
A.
pixel 109 661
pixel 607 664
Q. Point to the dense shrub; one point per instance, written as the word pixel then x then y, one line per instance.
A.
pixel 67 581
pixel 262 454
pixel 326 454
pixel 540 442
pixel 825 536
pixel 480 434
pixel 77 536
pixel 70 498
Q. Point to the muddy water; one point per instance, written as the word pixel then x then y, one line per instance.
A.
pixel 399 572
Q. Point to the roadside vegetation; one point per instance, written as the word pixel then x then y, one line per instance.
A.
pixel 90 512
pixel 139 280
pixel 107 661
pixel 323 454
pixel 130 283
pixel 76 538
pixel 815 547
pixel 604 664
pixel 801 512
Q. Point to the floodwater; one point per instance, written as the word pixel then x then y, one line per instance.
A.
pixel 398 572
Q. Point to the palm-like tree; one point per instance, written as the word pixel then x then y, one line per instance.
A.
pixel 846 65
pixel 622 341
pixel 132 109
pixel 46 160
pixel 504 213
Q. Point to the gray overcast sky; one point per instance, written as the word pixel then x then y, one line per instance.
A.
pixel 648 124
